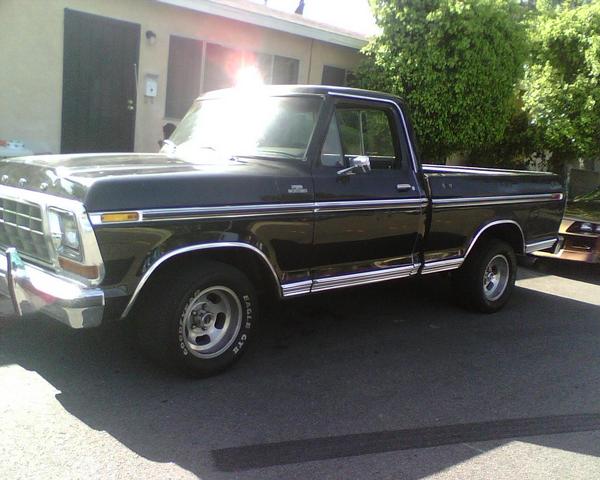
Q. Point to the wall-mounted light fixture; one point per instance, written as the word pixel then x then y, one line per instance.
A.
pixel 150 37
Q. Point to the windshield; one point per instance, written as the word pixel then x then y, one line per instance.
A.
pixel 249 125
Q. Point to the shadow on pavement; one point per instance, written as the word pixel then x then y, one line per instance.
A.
pixel 380 369
pixel 583 272
pixel 298 451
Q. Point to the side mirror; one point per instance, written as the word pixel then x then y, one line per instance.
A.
pixel 168 147
pixel 360 164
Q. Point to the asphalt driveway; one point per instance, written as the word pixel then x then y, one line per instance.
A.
pixel 385 382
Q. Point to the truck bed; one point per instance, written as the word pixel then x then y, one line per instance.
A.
pixel 464 200
pixel 454 181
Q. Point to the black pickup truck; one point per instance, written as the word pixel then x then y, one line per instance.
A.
pixel 281 191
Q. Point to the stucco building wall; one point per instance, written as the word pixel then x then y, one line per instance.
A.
pixel 31 60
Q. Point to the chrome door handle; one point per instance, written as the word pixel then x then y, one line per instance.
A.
pixel 404 187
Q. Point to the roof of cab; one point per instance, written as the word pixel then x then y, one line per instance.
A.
pixel 301 89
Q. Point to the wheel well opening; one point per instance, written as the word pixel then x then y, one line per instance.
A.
pixel 507 232
pixel 248 262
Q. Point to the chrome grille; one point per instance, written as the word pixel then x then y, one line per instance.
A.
pixel 21 226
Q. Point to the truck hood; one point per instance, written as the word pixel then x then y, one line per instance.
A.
pixel 104 182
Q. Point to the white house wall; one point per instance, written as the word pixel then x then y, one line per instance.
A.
pixel 31 60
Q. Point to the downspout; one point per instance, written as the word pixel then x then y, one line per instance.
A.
pixel 312 41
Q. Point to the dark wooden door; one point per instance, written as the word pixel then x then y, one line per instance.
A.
pixel 99 83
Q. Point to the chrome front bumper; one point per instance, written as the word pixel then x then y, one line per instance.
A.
pixel 32 289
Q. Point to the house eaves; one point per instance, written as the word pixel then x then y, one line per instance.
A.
pixel 256 14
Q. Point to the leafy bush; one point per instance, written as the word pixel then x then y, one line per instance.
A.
pixel 562 90
pixel 455 62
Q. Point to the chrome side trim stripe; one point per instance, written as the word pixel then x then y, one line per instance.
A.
pixel 270 209
pixel 355 279
pixel 541 245
pixel 329 283
pixel 409 203
pixel 260 210
pixel 430 167
pixel 199 213
pixel 296 288
pixel 496 200
pixel 227 211
pixel 442 265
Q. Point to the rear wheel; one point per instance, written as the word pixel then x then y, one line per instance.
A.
pixel 487 278
pixel 200 320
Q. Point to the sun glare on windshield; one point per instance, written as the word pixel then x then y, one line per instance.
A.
pixel 242 124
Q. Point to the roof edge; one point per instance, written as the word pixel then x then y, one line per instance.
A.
pixel 274 22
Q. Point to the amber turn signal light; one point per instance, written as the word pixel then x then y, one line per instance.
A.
pixel 85 271
pixel 120 217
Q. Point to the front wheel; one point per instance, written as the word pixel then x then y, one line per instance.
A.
pixel 200 320
pixel 487 278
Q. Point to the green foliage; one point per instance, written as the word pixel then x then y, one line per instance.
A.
pixel 514 149
pixel 593 196
pixel 562 90
pixel 455 62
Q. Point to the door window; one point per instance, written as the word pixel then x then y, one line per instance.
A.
pixel 361 131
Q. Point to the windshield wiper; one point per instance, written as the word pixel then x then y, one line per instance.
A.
pixel 207 147
pixel 278 153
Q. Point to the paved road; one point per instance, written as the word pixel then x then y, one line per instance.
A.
pixel 385 382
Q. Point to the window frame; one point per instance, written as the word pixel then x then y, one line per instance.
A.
pixel 402 158
pixel 332 119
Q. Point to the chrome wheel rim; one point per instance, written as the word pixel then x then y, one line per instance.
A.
pixel 211 321
pixel 495 277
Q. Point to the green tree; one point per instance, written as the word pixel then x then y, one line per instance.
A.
pixel 456 64
pixel 514 149
pixel 562 90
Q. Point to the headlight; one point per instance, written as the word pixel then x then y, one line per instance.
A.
pixel 65 234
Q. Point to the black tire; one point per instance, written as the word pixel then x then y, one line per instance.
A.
pixel 173 309
pixel 469 279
